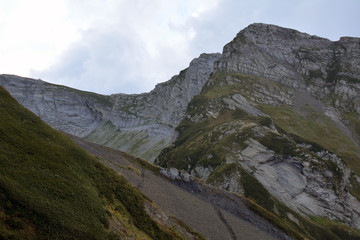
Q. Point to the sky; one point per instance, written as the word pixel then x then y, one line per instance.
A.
pixel 128 46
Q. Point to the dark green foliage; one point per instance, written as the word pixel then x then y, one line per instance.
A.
pixel 255 190
pixel 314 146
pixel 333 167
pixel 188 131
pixel 265 121
pixel 355 186
pixel 344 233
pixel 197 235
pixel 38 169
pixel 239 114
pixel 52 189
pixel 350 79
pixel 113 186
pixel 333 69
pixel 163 157
pixel 197 104
pixel 315 73
pixel 241 38
pixel 303 227
pixel 278 144
pixel 223 170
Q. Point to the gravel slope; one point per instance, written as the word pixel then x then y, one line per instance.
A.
pixel 214 213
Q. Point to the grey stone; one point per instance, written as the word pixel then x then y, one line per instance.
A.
pixel 141 124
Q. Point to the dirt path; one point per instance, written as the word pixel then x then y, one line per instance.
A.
pixel 229 228
pixel 140 184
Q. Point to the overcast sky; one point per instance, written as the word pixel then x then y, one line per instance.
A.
pixel 128 46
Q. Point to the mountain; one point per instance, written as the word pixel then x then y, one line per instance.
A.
pixel 141 124
pixel 52 189
pixel 274 118
pixel 215 213
pixel 283 107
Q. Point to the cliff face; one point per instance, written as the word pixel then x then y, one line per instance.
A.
pixel 283 108
pixel 140 124
pixel 328 70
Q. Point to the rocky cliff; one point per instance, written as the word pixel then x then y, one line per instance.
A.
pixel 282 108
pixel 141 124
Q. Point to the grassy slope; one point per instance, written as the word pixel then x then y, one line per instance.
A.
pixel 196 141
pixel 137 143
pixel 316 127
pixel 52 189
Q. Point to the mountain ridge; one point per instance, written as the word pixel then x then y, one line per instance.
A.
pixel 278 106
pixel 282 106
pixel 141 124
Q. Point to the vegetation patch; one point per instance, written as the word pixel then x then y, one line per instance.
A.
pixel 197 235
pixel 355 186
pixel 225 170
pixel 315 73
pixel 255 190
pixel 354 123
pixel 279 144
pixel 334 69
pixel 313 228
pixel 316 128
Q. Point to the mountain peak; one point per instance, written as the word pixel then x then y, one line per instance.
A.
pixel 274 32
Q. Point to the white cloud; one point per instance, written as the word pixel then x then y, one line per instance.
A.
pixel 33 33
pixel 111 46
pixel 127 46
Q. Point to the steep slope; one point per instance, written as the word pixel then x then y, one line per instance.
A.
pixel 282 109
pixel 52 189
pixel 328 71
pixel 215 213
pixel 141 124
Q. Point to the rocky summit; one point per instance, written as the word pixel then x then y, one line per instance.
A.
pixel 282 106
pixel 274 118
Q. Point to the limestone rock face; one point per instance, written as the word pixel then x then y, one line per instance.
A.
pixel 141 124
pixel 298 60
pixel 282 107
pixel 63 108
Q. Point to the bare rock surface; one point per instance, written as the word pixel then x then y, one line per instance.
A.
pixel 141 124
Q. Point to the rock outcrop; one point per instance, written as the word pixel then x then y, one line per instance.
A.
pixel 328 70
pixel 141 124
pixel 283 108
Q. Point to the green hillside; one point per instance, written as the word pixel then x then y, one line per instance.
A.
pixel 52 189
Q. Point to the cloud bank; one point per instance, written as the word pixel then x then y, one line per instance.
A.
pixel 129 46
pixel 113 46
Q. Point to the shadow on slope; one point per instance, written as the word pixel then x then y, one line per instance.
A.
pixel 52 189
